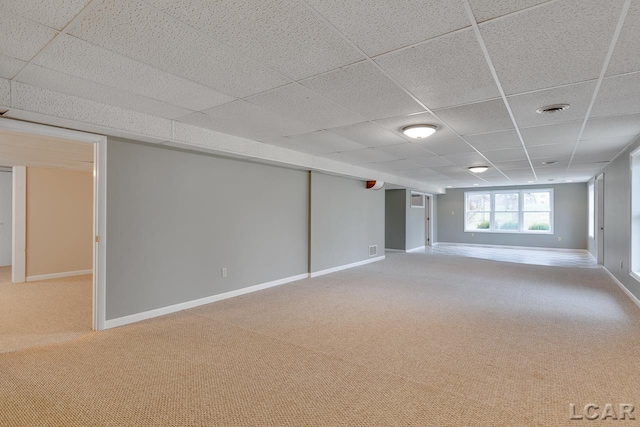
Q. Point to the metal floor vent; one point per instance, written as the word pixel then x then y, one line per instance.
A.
pixel 373 250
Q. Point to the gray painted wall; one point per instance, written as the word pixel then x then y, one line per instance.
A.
pixel 570 220
pixel 395 219
pixel 345 219
pixel 415 224
pixel 617 220
pixel 176 218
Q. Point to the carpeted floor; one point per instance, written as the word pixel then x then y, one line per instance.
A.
pixel 43 313
pixel 416 340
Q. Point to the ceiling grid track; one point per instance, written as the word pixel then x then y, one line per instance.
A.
pixel 404 89
pixel 603 71
pixel 485 52
pixel 88 8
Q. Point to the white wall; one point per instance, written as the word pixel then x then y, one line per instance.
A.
pixel 6 185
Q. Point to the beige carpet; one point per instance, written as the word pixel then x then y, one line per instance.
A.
pixel 43 313
pixel 416 340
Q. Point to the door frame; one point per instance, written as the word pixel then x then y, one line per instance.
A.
pixel 599 206
pixel 427 217
pixel 99 204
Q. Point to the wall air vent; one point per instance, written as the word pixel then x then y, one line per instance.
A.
pixel 373 250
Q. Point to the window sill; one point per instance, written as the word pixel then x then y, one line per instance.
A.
pixel 543 233
pixel 635 275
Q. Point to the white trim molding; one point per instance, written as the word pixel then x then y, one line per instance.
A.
pixel 533 248
pixel 58 275
pixel 623 287
pixel 125 320
pixel 346 266
pixel 19 225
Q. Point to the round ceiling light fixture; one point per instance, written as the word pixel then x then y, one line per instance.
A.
pixel 478 169
pixel 549 162
pixel 419 131
pixel 553 108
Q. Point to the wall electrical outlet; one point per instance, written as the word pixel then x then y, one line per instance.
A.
pixel 473 234
pixel 224 272
pixel 559 239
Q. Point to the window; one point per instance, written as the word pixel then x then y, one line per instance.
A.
pixel 514 211
pixel 635 214
pixel 592 212
pixel 417 200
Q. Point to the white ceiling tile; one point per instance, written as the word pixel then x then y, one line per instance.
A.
pixel 554 151
pixel 139 31
pixel 466 159
pixel 364 89
pixel 578 96
pixel 618 96
pixel 392 166
pixel 5 92
pixel 22 39
pixel 247 120
pixel 369 134
pixel 450 70
pixel 602 157
pixel 558 43
pixel 625 57
pixel 419 172
pixel 599 145
pixel 506 155
pixel 453 145
pixel 495 140
pixel 513 165
pixel 592 168
pixel 71 85
pixel 321 142
pixel 62 106
pixel 605 127
pixel 299 103
pixel 52 13
pixel 483 10
pixel 9 67
pixel 551 134
pixel 79 58
pixel 406 151
pixel 432 161
pixel 488 116
pixel 284 34
pixel 405 23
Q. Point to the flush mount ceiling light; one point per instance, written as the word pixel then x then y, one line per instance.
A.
pixel 478 169
pixel 550 162
pixel 419 131
pixel 554 108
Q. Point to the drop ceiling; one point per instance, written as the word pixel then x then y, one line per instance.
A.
pixel 339 80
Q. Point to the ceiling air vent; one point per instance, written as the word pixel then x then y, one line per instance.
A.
pixel 554 108
pixel 373 250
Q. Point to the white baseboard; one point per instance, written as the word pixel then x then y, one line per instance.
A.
pixel 121 321
pixel 623 287
pixel 59 275
pixel 344 267
pixel 419 248
pixel 533 248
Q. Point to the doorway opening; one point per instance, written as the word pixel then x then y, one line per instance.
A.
pixel 52 289
pixel 599 187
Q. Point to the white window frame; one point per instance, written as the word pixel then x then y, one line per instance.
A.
pixel 634 250
pixel 592 211
pixel 520 211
